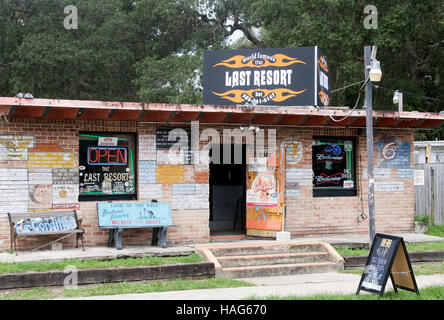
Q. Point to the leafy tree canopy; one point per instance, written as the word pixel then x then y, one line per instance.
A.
pixel 150 50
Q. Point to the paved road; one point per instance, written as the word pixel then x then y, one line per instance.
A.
pixel 298 285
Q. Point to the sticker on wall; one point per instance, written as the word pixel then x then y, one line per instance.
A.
pixel 65 196
pixel 263 191
pixel 199 200
pixel 40 196
pixel 393 153
pixel 65 176
pixel 40 176
pixel 389 186
pixel 147 147
pixel 405 173
pixel 293 148
pixel 13 190
pixel 184 188
pixel 292 193
pixel 50 160
pixel 147 171
pixel 150 191
pixel 169 174
pixel 258 164
pixel 15 147
pixel 299 176
pixel 418 178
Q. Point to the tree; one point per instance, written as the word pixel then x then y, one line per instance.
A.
pixel 173 79
pixel 408 37
pixel 148 50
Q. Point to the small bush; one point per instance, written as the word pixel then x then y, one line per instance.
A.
pixel 425 219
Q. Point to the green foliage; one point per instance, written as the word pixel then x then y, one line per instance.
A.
pixel 149 50
pixel 436 230
pixel 106 57
pixel 123 288
pixel 173 79
pixel 424 219
pixel 429 293
pixel 411 247
pixel 95 263
pixel 408 37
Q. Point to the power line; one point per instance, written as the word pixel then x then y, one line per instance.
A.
pixel 356 103
pixel 348 86
pixel 408 93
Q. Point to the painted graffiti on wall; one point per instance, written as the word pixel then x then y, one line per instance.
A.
pixel 50 160
pixel 13 190
pixel 15 147
pixel 47 224
pixel 294 153
pixel 393 153
pixel 263 191
pixel 65 196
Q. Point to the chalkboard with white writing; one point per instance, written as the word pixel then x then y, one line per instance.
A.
pixel 388 257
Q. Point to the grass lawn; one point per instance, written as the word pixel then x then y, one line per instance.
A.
pixel 422 269
pixel 411 247
pixel 121 288
pixel 435 230
pixel 429 293
pixel 95 263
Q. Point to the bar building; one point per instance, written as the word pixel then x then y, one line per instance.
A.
pixel 70 154
pixel 265 152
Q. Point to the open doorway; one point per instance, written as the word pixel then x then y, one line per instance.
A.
pixel 227 193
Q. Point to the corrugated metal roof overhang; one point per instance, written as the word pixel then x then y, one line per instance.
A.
pixel 257 115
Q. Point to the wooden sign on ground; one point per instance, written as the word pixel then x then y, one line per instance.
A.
pixel 388 257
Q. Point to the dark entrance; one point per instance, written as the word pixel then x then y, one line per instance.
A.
pixel 227 192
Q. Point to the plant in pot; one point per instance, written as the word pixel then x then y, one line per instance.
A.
pixel 422 224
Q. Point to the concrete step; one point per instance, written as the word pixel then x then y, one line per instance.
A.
pixel 279 270
pixel 262 249
pixel 274 259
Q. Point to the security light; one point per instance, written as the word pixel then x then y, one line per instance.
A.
pixel 397 99
pixel 375 71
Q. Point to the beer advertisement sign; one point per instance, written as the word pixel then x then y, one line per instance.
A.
pixel 263 191
pixel 269 77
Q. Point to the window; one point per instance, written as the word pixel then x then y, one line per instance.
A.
pixel 106 166
pixel 334 166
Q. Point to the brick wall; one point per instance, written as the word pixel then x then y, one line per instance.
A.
pixel 394 190
pixel 48 149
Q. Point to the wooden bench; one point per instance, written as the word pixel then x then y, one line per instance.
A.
pixel 45 223
pixel 117 216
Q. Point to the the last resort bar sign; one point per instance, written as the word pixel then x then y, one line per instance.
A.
pixel 272 77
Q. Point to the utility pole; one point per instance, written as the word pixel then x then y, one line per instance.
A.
pixel 369 132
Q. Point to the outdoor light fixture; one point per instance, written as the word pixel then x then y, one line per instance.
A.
pixel 397 99
pixel 24 95
pixel 375 71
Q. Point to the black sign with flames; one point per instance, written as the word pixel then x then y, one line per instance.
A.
pixel 280 77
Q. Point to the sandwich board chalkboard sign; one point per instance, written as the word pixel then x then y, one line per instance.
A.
pixel 388 257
